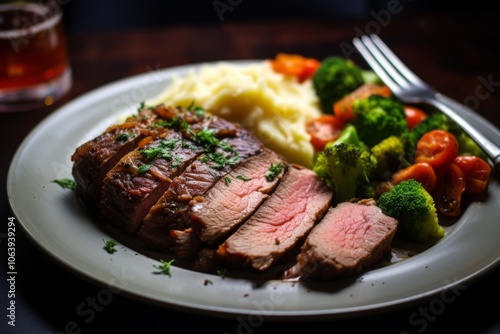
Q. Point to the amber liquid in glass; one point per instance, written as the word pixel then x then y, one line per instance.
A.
pixel 32 45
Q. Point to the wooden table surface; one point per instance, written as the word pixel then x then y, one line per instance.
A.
pixel 456 55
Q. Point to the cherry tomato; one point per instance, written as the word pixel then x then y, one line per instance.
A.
pixel 449 189
pixel 309 67
pixel 437 148
pixel 420 171
pixel 323 130
pixel 343 108
pixel 476 171
pixel 414 116
pixel 295 65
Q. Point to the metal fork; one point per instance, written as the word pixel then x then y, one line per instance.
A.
pixel 409 88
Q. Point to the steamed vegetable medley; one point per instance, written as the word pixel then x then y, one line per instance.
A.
pixel 416 163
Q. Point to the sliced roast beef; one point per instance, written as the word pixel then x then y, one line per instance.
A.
pixel 93 159
pixel 141 177
pixel 171 212
pixel 235 197
pixel 136 183
pixel 350 238
pixel 299 201
pixel 185 243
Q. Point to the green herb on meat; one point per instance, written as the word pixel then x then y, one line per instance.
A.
pixel 160 151
pixel 177 161
pixel 174 123
pixel 123 137
pixel 274 170
pixel 226 147
pixel 207 138
pixel 220 159
pixel 198 111
pixel 151 153
pixel 143 169
pixel 243 177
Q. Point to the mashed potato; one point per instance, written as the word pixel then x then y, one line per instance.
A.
pixel 272 106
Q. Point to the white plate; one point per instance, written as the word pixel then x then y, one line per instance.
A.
pixel 54 221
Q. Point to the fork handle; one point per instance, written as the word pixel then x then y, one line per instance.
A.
pixel 464 116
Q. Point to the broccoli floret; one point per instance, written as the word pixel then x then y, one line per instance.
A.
pixel 390 155
pixel 377 118
pixel 344 168
pixel 349 135
pixel 467 146
pixel 414 208
pixel 335 78
pixel 370 77
pixel 435 121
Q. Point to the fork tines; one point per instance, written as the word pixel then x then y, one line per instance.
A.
pixel 391 70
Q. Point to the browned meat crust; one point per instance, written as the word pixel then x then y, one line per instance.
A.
pixel 93 159
pixel 171 212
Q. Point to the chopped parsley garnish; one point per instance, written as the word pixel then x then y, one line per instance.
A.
pixel 170 144
pixel 161 123
pixel 198 111
pixel 160 151
pixel 164 267
pixel 274 171
pixel 143 106
pixel 243 177
pixel 151 153
pixel 210 142
pixel 177 161
pixel 226 147
pixel 222 272
pixel 109 245
pixel 183 125
pixel 234 159
pixel 227 180
pixel 176 122
pixel 143 169
pixel 188 145
pixel 207 138
pixel 123 137
pixel 65 183
pixel 216 157
pixel 221 160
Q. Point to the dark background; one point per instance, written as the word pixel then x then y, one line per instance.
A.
pixel 112 15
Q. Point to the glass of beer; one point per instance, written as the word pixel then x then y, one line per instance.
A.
pixel 34 65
